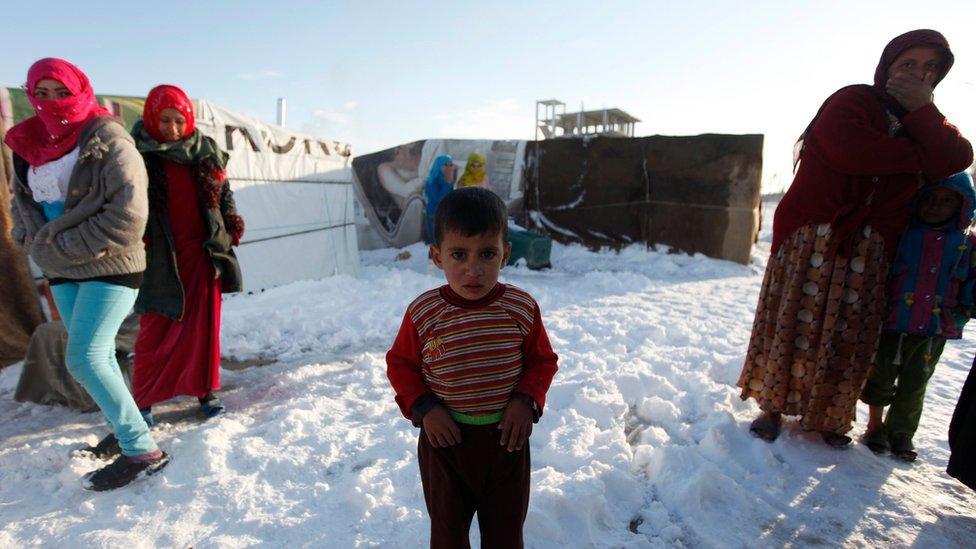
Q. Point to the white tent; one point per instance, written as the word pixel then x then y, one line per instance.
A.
pixel 295 194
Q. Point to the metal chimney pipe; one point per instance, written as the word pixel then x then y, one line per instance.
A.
pixel 281 111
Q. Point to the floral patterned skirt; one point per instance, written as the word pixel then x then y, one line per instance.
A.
pixel 817 327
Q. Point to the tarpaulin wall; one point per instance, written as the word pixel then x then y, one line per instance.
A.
pixel 293 190
pixel 697 194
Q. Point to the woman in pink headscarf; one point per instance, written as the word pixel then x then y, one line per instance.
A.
pixel 79 209
pixel 193 225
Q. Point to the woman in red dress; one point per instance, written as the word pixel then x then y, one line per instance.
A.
pixel 192 227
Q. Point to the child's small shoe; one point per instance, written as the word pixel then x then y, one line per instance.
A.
pixel 212 407
pixel 835 440
pixel 902 448
pixel 106 448
pixel 876 441
pixel 124 470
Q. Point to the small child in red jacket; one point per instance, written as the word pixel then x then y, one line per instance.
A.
pixel 471 366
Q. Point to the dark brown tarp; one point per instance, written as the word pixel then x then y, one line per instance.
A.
pixel 20 310
pixel 696 194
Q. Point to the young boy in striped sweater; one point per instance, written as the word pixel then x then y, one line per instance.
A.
pixel 471 365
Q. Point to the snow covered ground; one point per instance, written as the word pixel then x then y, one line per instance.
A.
pixel 644 440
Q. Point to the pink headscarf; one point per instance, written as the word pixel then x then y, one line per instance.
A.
pixel 55 128
pixel 166 96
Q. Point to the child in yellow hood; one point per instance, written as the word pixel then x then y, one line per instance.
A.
pixel 474 172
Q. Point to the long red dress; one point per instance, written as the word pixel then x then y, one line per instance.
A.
pixel 182 357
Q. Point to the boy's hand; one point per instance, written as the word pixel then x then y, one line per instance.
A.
pixel 440 428
pixel 516 424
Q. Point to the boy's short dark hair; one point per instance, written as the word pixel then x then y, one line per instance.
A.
pixel 471 211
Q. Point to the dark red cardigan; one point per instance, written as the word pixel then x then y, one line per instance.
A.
pixel 854 173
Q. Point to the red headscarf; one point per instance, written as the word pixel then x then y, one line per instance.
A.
pixel 54 131
pixel 163 97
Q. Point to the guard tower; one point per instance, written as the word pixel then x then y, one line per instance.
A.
pixel 556 122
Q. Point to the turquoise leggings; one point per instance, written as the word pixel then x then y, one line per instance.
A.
pixel 92 314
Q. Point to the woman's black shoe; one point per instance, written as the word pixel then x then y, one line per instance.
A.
pixel 122 471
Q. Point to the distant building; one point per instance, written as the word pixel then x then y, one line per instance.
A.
pixel 552 120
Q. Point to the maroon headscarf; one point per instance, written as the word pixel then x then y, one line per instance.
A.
pixel 166 96
pixel 55 128
pixel 898 46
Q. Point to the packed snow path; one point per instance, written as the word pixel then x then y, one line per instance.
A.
pixel 644 441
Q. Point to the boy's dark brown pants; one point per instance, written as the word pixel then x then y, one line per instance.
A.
pixel 478 475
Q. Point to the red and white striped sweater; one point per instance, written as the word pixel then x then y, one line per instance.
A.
pixel 471 354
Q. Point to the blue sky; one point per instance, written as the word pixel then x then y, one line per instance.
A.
pixel 376 74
